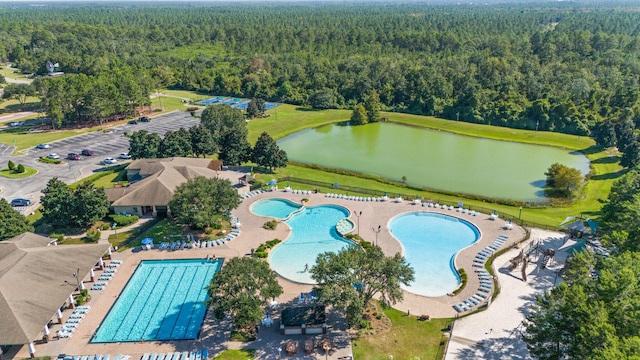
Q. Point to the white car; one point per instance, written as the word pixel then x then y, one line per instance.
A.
pixel 43 146
pixel 125 156
pixel 53 156
pixel 110 160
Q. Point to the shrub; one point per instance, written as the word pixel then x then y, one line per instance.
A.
pixel 192 108
pixel 58 237
pixel 365 324
pixel 208 231
pixel 124 220
pixel 11 165
pixel 46 160
pixel 260 254
pixel 272 243
pixel 270 225
pixel 93 234
pixel 20 169
pixel 104 226
pixel 242 336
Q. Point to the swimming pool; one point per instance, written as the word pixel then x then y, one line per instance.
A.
pixel 277 208
pixel 430 243
pixel 163 300
pixel 313 231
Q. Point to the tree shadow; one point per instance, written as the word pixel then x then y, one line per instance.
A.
pixel 300 108
pixel 501 348
pixel 606 160
pixel 610 176
pixel 594 149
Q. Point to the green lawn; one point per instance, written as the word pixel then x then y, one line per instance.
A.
pixel 162 231
pixel 408 338
pixel 11 106
pixel 288 119
pixel 236 355
pixel 169 103
pixel 10 174
pixel 192 95
pixel 12 73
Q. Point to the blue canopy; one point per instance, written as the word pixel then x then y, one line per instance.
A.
pixel 272 182
pixel 147 241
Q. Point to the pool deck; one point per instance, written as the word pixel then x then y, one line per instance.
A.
pixel 381 213
pixel 215 334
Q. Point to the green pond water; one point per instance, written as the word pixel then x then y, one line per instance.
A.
pixel 433 159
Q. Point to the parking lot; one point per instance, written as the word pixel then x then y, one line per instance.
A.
pixel 103 144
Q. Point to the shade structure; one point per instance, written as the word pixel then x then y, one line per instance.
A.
pixel 147 241
pixel 272 182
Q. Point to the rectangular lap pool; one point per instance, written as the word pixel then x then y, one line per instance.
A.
pixel 163 300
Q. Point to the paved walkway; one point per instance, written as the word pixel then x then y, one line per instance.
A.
pixel 496 333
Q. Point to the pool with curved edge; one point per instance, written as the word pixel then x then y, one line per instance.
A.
pixel 276 208
pixel 313 231
pixel 431 242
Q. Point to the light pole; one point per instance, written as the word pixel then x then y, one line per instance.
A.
pixel 114 227
pixel 75 275
pixel 520 213
pixel 358 216
pixel 377 231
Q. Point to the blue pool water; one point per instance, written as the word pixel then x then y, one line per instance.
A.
pixel 277 208
pixel 430 243
pixel 313 231
pixel 163 300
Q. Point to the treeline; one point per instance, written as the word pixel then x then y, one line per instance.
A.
pixel 561 67
pixel 594 312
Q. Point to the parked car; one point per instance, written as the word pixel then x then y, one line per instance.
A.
pixel 125 156
pixel 133 122
pixel 17 123
pixel 43 146
pixel 144 119
pixel 20 202
pixel 87 152
pixel 110 160
pixel 53 156
pixel 73 156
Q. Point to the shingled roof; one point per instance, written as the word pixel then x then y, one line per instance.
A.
pixel 32 282
pixel 161 177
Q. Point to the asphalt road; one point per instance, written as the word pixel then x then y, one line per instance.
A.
pixel 103 144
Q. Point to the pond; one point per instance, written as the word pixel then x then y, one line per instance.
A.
pixel 433 159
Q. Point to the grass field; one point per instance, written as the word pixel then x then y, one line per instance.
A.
pixel 288 119
pixel 165 230
pixel 408 338
pixel 12 73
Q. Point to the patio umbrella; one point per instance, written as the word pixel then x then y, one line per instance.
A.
pixel 147 241
pixel 272 182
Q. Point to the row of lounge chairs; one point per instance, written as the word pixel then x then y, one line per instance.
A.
pixel 250 194
pixel 450 208
pixel 107 274
pixel 72 323
pixel 220 241
pixel 99 285
pixel 356 198
pixel 485 278
pixel 185 355
pixel 101 357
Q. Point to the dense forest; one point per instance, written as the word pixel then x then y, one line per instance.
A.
pixel 548 66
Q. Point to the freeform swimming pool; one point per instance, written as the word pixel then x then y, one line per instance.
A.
pixel 430 243
pixel 277 208
pixel 313 231
pixel 163 300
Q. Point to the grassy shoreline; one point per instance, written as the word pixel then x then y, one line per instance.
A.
pixel 604 164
